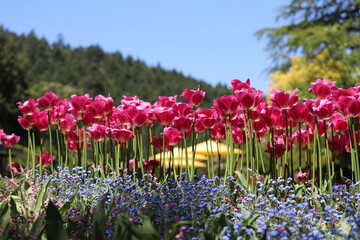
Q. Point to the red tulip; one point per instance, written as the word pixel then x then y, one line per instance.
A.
pixel 60 111
pixel 46 159
pixel 10 140
pixel 323 108
pixel 137 117
pixel 150 164
pixel 2 135
pixel 302 176
pixel 15 168
pixel 249 98
pixel 181 109
pixel 299 112
pixel 338 144
pixel 96 109
pixel 72 138
pixel 260 128
pixel 164 116
pixel 108 103
pixel 172 136
pixel 160 143
pixel 121 135
pixel 236 84
pixel 28 107
pixel 68 123
pixel 24 123
pixel 96 132
pixel 218 131
pixel 283 99
pixel 305 137
pixel 278 148
pixel 165 101
pixel 239 136
pixel 271 116
pixel 339 122
pixel 353 108
pixel 205 119
pixel 42 121
pixel 226 106
pixel 321 88
pixel 182 123
pixel 119 116
pixel 49 101
pixel 78 105
pixel 193 97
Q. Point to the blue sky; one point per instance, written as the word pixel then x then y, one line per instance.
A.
pixel 210 40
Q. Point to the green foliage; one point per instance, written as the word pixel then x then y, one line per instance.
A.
pixel 316 26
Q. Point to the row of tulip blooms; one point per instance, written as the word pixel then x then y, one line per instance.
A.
pixel 323 130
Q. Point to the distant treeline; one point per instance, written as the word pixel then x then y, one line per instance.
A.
pixel 31 66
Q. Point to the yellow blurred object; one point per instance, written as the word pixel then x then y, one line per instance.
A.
pixel 182 162
pixel 212 148
pixel 180 154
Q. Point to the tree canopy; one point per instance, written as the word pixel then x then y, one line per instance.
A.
pixel 327 28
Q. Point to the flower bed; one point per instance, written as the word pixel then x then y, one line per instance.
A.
pixel 93 170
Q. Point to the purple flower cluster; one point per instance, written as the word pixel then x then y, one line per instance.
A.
pixel 200 209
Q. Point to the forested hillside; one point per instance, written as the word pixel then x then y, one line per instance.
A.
pixel 31 66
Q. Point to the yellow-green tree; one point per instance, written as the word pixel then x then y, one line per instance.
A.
pixel 325 34
pixel 303 71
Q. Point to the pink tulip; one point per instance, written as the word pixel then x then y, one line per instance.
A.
pixel 299 112
pixel 24 123
pixel 338 143
pixel 49 101
pixel 304 137
pixel 42 121
pixel 78 105
pixel 151 164
pixel 182 123
pixel 46 159
pixel 339 122
pixel 172 136
pixel 28 107
pixel 2 135
pixel 226 106
pixel 137 117
pixel 218 131
pixel 165 101
pixel 68 123
pixel 96 132
pixel 283 99
pixel 278 148
pixel 15 168
pixel 160 143
pixel 164 116
pixel 96 109
pixel 193 97
pixel 108 103
pixel 181 109
pixel 272 116
pixel 121 135
pixel 239 85
pixel 10 140
pixel 249 99
pixel 321 88
pixel 302 176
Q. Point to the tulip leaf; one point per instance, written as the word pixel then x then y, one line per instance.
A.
pixel 41 197
pixel 53 224
pixel 66 206
pixel 98 221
